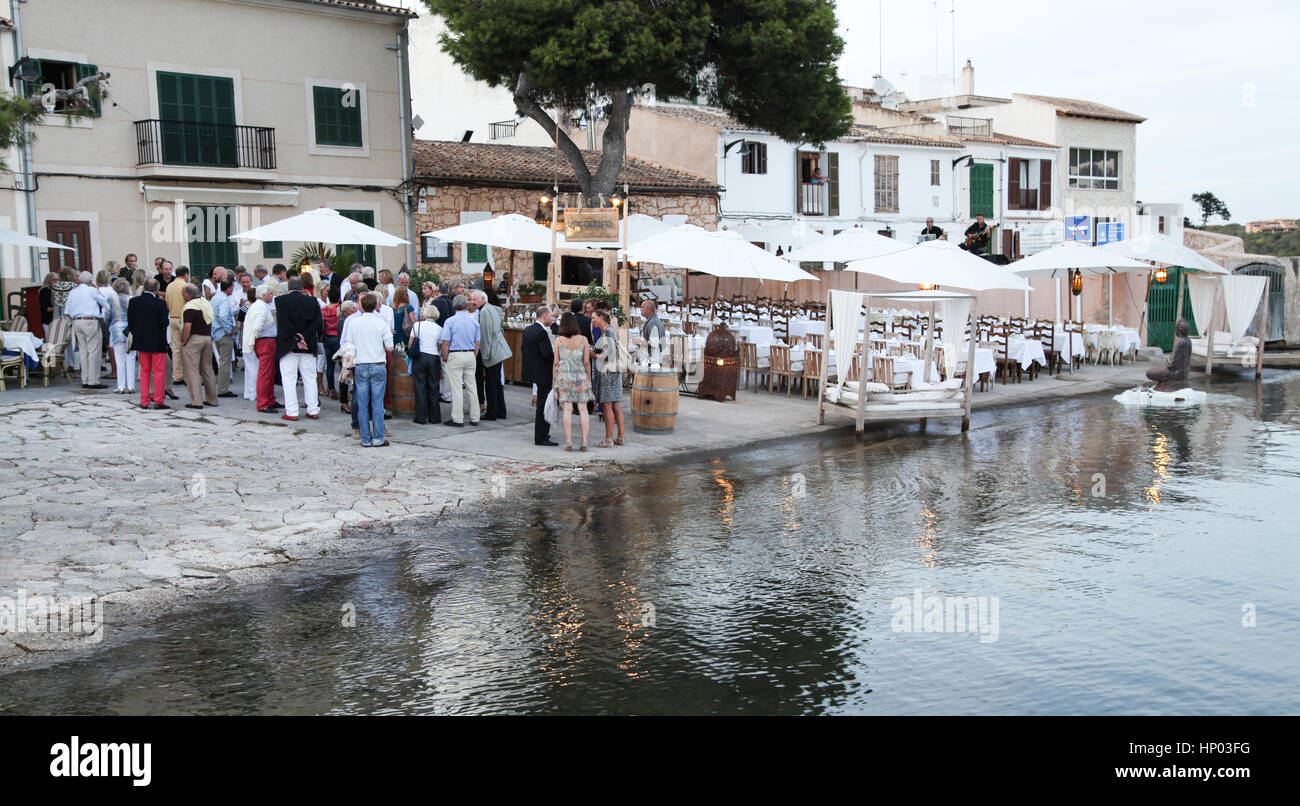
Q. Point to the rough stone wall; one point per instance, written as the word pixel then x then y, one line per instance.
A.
pixel 449 201
pixel 1230 252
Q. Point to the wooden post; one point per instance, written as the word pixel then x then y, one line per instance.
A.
pixel 624 274
pixel 1182 284
pixel 866 363
pixel 1209 334
pixel 929 346
pixel 552 272
pixel 1263 334
pixel 821 389
pixel 970 361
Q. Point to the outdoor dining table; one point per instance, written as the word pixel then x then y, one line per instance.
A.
pixel 25 341
pixel 1127 338
pixel 1026 351
pixel 1073 342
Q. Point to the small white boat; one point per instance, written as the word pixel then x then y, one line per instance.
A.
pixel 1149 396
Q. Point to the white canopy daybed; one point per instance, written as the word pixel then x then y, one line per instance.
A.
pixel 868 400
pixel 1241 301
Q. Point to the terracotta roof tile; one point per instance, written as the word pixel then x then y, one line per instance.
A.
pixel 708 115
pixel 874 135
pixel 365 5
pixel 535 166
pixel 1085 109
pixel 1004 139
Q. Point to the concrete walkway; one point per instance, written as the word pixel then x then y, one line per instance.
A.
pixel 104 499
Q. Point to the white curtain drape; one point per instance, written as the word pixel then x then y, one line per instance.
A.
pixel 1200 289
pixel 954 313
pixel 1241 295
pixel 845 306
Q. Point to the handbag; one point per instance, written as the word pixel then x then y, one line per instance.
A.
pixel 551 410
pixel 413 346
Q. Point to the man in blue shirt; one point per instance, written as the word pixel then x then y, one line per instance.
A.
pixel 459 346
pixel 223 335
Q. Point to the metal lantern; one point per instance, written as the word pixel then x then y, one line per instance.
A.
pixel 489 276
pixel 1162 274
pixel 721 365
pixel 1076 283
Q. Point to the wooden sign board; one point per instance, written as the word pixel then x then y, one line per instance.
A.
pixel 591 226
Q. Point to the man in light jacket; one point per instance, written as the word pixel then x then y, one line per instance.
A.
pixel 495 350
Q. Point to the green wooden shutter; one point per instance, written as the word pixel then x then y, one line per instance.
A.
pixel 85 71
pixel 31 88
pixel 337 123
pixel 541 261
pixel 833 182
pixel 208 228
pixel 981 190
pixel 365 254
pixel 198 119
pixel 476 253
pixel 1161 301
pixel 273 249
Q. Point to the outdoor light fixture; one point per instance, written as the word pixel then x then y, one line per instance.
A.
pixel 1162 274
pixel 928 287
pixel 24 70
pixel 544 199
pixel 489 276
pixel 744 147
pixel 1076 282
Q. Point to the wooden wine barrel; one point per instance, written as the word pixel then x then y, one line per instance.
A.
pixel 654 401
pixel 401 388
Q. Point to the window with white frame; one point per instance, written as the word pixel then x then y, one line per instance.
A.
pixel 886 183
pixel 1094 169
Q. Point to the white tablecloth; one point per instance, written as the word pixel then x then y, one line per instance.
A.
pixel 984 360
pixel 1126 337
pixel 22 340
pixel 1026 351
pixel 755 334
pixel 1061 341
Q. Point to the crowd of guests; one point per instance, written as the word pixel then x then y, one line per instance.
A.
pixel 337 335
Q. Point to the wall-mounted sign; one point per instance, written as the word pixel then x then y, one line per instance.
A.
pixel 1036 237
pixel 591 226
pixel 1110 232
pixel 1078 228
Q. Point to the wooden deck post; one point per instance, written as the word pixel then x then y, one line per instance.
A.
pixel 970 361
pixel 1209 343
pixel 826 343
pixel 1263 334
pixel 866 365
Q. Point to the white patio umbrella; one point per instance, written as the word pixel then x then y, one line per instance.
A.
pixel 941 263
pixel 1076 255
pixel 641 226
pixel 9 237
pixel 510 231
pixel 722 254
pixel 322 226
pixel 851 244
pixel 787 235
pixel 1162 249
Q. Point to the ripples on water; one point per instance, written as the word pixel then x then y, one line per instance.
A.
pixel 763 581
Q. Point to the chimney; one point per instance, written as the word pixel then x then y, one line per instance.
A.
pixel 968 79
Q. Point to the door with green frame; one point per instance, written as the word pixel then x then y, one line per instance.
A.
pixel 365 255
pixel 197 120
pixel 1162 298
pixel 208 229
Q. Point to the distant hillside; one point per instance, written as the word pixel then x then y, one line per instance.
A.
pixel 1261 243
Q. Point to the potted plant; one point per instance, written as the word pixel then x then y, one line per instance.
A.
pixel 531 292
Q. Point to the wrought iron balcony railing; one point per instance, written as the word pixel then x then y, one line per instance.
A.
pixel 208 145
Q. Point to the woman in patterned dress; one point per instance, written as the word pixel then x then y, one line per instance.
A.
pixel 609 377
pixel 572 381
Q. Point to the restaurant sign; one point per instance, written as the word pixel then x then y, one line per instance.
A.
pixel 1038 236
pixel 591 226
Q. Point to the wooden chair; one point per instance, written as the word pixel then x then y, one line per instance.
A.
pixel 779 367
pixel 15 362
pixel 1074 335
pixel 882 371
pixel 812 370
pixel 54 350
pixel 17 325
pixel 749 363
pixel 814 340
pixel 1001 353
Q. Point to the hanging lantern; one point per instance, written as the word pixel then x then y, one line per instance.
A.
pixel 1162 274
pixel 1076 283
pixel 489 276
pixel 928 287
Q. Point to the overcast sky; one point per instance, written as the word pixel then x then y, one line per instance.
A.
pixel 1217 82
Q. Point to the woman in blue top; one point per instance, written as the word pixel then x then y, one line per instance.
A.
pixel 403 316
pixel 126 361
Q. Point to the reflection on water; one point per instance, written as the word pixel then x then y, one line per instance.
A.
pixel 1121 544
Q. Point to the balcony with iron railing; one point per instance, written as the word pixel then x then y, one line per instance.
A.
pixel 502 130
pixel 975 127
pixel 204 145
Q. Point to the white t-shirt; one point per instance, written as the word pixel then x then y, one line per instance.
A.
pixel 428 332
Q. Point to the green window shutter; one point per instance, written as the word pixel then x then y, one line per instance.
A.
pixel 207 229
pixel 31 88
pixel 365 254
pixel 476 253
pixel 273 249
pixel 337 123
pixel 833 182
pixel 85 71
pixel 541 260
pixel 198 120
pixel 981 190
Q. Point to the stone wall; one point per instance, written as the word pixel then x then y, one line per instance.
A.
pixel 1230 252
pixel 447 202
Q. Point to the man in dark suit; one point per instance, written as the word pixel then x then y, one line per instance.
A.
pixel 584 321
pixel 299 327
pixel 328 275
pixel 539 367
pixel 146 322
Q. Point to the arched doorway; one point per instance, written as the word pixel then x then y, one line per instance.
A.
pixel 1276 298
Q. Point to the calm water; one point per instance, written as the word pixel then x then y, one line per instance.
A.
pixel 766 581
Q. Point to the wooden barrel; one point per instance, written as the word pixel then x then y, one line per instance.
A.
pixel 401 388
pixel 654 401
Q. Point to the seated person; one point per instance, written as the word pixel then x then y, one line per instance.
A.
pixel 1174 376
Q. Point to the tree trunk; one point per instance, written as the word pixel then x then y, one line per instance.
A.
pixel 596 189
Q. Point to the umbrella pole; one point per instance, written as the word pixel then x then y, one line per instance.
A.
pixel 1182 283
pixel 713 306
pixel 1110 305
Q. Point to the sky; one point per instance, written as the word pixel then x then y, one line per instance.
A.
pixel 1219 83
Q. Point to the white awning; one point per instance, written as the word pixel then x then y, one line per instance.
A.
pixel 194 195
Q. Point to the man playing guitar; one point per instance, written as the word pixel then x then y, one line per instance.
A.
pixel 977 237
